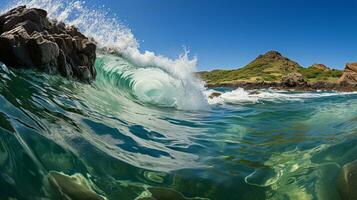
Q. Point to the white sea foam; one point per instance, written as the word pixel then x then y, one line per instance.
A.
pixel 235 97
pixel 240 95
pixel 113 36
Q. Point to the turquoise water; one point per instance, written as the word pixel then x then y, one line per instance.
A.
pixel 119 140
pixel 146 129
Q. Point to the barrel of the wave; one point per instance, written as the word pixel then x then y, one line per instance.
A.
pixel 149 85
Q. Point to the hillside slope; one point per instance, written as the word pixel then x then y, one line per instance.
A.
pixel 270 67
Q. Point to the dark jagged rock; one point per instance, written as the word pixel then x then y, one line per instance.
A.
pixel 28 39
pixel 347 183
pixel 349 76
pixel 293 80
pixel 214 95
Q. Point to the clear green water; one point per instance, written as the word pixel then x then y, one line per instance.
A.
pixel 279 146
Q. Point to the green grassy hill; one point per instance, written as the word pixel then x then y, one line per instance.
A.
pixel 270 67
pixel 319 72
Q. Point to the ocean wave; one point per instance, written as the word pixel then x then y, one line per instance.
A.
pixel 113 38
pixel 148 85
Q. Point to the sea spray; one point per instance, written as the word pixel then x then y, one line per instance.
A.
pixel 115 38
pixel 242 96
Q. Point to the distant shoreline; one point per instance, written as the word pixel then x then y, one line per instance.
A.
pixel 273 70
pixel 310 86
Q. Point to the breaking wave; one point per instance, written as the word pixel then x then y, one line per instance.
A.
pixel 116 139
pixel 155 79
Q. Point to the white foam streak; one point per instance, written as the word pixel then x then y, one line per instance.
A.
pixel 240 95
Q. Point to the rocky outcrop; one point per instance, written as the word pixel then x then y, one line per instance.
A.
pixel 28 39
pixel 347 183
pixel 293 80
pixel 349 76
pixel 214 95
pixel 321 67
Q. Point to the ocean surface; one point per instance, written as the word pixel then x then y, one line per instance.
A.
pixel 146 124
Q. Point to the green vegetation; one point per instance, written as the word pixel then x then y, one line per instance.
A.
pixel 313 74
pixel 270 67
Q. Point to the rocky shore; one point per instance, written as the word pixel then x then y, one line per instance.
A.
pixel 295 81
pixel 30 40
pixel 313 86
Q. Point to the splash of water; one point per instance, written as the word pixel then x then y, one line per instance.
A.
pixel 112 36
pixel 148 85
pixel 240 96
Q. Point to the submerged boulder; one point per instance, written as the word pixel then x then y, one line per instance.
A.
pixel 347 182
pixel 28 39
pixel 349 76
pixel 293 80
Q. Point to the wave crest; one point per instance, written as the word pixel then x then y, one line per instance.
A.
pixel 148 85
pixel 112 36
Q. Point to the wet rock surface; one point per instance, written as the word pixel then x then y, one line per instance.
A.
pixel 30 40
pixel 214 95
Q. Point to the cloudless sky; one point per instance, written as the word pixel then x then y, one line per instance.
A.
pixel 231 33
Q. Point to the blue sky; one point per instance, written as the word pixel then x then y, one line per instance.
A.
pixel 231 33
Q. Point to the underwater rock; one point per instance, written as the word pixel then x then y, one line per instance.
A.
pixel 72 187
pixel 347 182
pixel 349 76
pixel 28 39
pixel 293 79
